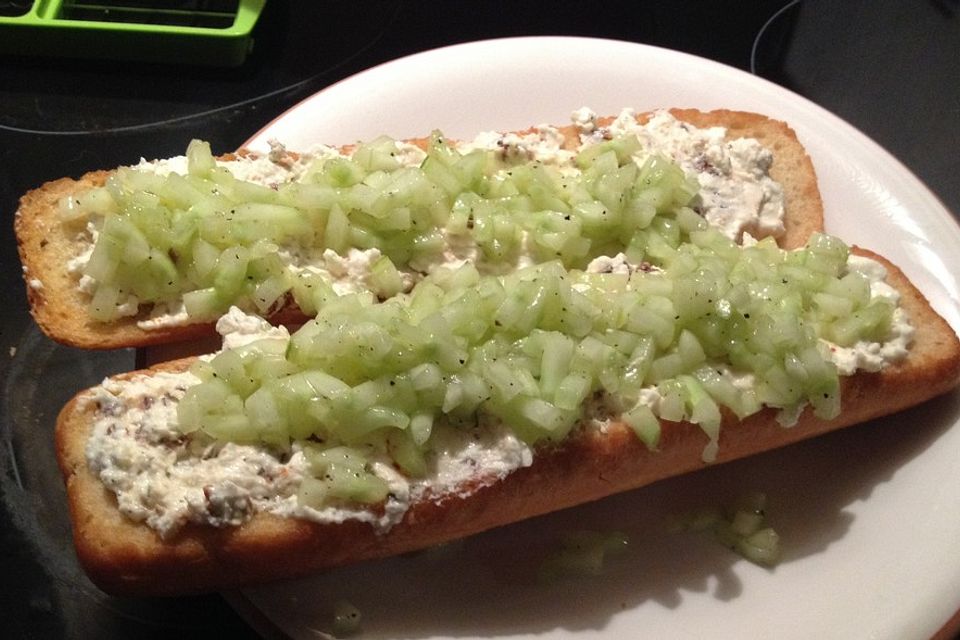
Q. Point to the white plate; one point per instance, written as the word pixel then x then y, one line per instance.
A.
pixel 869 517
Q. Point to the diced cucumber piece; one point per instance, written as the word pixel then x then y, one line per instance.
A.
pixel 200 161
pixel 645 424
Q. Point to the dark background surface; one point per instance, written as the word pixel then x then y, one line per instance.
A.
pixel 889 67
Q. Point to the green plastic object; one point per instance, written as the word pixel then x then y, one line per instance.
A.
pixel 198 32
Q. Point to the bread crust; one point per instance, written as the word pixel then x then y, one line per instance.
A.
pixel 59 307
pixel 124 557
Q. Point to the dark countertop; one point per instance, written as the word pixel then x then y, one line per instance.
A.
pixel 889 67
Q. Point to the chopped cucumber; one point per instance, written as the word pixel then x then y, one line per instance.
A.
pixel 530 348
pixel 506 208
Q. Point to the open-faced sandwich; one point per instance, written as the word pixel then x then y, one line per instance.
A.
pixel 156 252
pixel 491 330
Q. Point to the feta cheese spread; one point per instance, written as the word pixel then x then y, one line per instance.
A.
pixel 543 144
pixel 271 169
pixel 167 479
pixel 584 119
pixel 619 264
pixel 869 355
pixel 737 194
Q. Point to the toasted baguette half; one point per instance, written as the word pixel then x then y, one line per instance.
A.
pixel 60 308
pixel 124 557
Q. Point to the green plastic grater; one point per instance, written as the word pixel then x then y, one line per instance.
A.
pixel 199 32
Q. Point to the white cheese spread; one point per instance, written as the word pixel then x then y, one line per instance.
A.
pixel 869 355
pixel 584 119
pixel 619 264
pixel 737 194
pixel 166 478
pixel 543 144
pixel 271 169
pixel 348 273
pixel 164 314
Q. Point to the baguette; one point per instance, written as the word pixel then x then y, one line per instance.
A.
pixel 125 557
pixel 60 308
